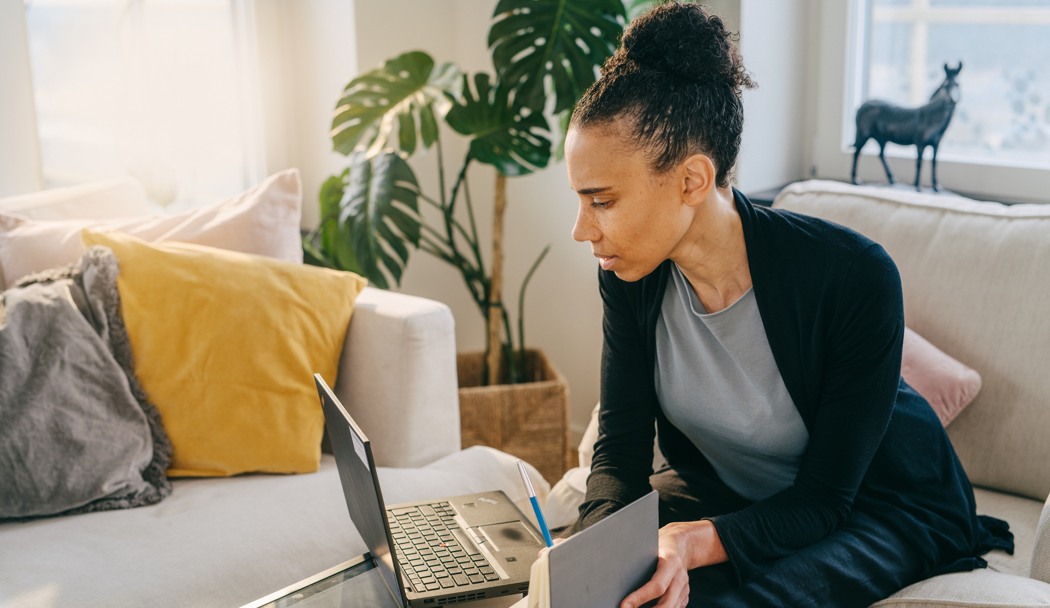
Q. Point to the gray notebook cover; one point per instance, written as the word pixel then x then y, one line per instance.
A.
pixel 606 562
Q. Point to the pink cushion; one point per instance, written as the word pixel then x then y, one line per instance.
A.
pixel 263 220
pixel 947 384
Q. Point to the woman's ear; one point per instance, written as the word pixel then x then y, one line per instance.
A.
pixel 698 173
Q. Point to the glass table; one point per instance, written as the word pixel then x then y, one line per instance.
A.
pixel 355 583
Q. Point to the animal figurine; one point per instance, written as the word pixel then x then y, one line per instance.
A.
pixel 921 127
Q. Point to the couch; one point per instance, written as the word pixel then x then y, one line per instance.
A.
pixel 976 279
pixel 228 541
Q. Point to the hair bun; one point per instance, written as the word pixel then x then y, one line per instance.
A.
pixel 686 41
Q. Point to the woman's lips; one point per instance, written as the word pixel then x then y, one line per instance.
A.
pixel 606 262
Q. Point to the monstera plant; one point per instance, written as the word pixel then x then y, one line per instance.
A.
pixel 545 53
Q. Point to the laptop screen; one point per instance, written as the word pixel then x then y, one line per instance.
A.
pixel 364 500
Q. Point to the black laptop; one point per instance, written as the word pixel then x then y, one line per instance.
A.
pixel 431 552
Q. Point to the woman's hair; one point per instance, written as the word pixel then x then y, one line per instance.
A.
pixel 676 79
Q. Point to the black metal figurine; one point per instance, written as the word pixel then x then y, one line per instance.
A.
pixel 921 127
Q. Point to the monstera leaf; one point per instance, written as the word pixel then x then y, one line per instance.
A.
pixel 370 216
pixel 382 109
pixel 565 39
pixel 323 245
pixel 512 141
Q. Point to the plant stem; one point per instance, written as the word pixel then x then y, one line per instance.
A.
pixel 470 274
pixel 441 169
pixel 455 224
pixel 473 225
pixel 460 180
pixel 513 375
pixel 521 300
pixel 495 311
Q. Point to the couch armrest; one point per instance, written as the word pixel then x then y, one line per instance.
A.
pixel 397 377
pixel 1041 552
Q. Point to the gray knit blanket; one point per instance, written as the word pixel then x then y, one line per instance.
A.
pixel 77 433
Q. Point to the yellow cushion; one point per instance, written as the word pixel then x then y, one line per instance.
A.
pixel 225 344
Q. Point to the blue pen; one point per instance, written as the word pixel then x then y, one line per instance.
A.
pixel 535 504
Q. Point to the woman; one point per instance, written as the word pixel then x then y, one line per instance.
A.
pixel 765 345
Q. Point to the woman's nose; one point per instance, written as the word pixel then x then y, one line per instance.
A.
pixel 583 231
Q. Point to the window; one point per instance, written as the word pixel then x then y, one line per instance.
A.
pixel 1004 45
pixel 998 143
pixel 161 90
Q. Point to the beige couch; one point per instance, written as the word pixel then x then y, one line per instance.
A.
pixel 229 541
pixel 976 281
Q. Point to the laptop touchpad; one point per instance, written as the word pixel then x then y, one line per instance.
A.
pixel 508 534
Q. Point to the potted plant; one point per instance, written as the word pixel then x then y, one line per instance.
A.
pixel 545 53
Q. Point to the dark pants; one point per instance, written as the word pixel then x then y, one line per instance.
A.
pixel 860 563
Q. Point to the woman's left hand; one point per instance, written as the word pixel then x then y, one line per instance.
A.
pixel 683 546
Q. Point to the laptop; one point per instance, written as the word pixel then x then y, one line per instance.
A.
pixel 431 552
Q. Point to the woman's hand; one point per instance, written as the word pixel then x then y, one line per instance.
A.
pixel 683 546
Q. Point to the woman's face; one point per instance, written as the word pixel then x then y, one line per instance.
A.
pixel 633 218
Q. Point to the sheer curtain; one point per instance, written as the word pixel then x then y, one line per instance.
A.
pixel 166 91
pixel 19 153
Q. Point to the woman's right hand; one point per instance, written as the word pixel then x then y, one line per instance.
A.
pixel 670 582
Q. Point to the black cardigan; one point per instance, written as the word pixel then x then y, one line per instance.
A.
pixel 831 305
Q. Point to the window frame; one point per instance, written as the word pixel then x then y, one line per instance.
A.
pixel 840 66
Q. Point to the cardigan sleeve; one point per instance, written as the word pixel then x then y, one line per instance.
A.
pixel 861 333
pixel 623 453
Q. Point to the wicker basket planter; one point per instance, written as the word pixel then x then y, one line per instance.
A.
pixel 529 420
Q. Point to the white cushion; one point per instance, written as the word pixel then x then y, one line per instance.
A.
pixel 221 542
pixel 263 220
pixel 122 197
pixel 563 503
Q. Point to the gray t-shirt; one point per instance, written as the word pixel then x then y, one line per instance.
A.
pixel 718 383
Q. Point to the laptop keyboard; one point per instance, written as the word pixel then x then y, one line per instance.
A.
pixel 430 555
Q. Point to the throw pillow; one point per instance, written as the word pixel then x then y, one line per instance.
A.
pixel 226 345
pixel 76 431
pixel 948 385
pixel 263 220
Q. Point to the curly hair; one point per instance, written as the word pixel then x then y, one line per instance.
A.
pixel 677 79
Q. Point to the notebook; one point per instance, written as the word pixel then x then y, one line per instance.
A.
pixel 578 572
pixel 430 552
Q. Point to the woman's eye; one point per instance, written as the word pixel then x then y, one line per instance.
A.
pixel 597 204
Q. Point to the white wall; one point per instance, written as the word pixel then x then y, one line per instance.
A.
pixel 773 45
pixel 307 55
pixel 19 149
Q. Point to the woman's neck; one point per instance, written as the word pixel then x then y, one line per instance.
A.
pixel 713 255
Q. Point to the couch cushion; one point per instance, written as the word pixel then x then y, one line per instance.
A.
pixel 225 344
pixel 220 542
pixel 1023 516
pixel 1041 551
pixel 975 284
pixel 263 220
pixel 977 589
